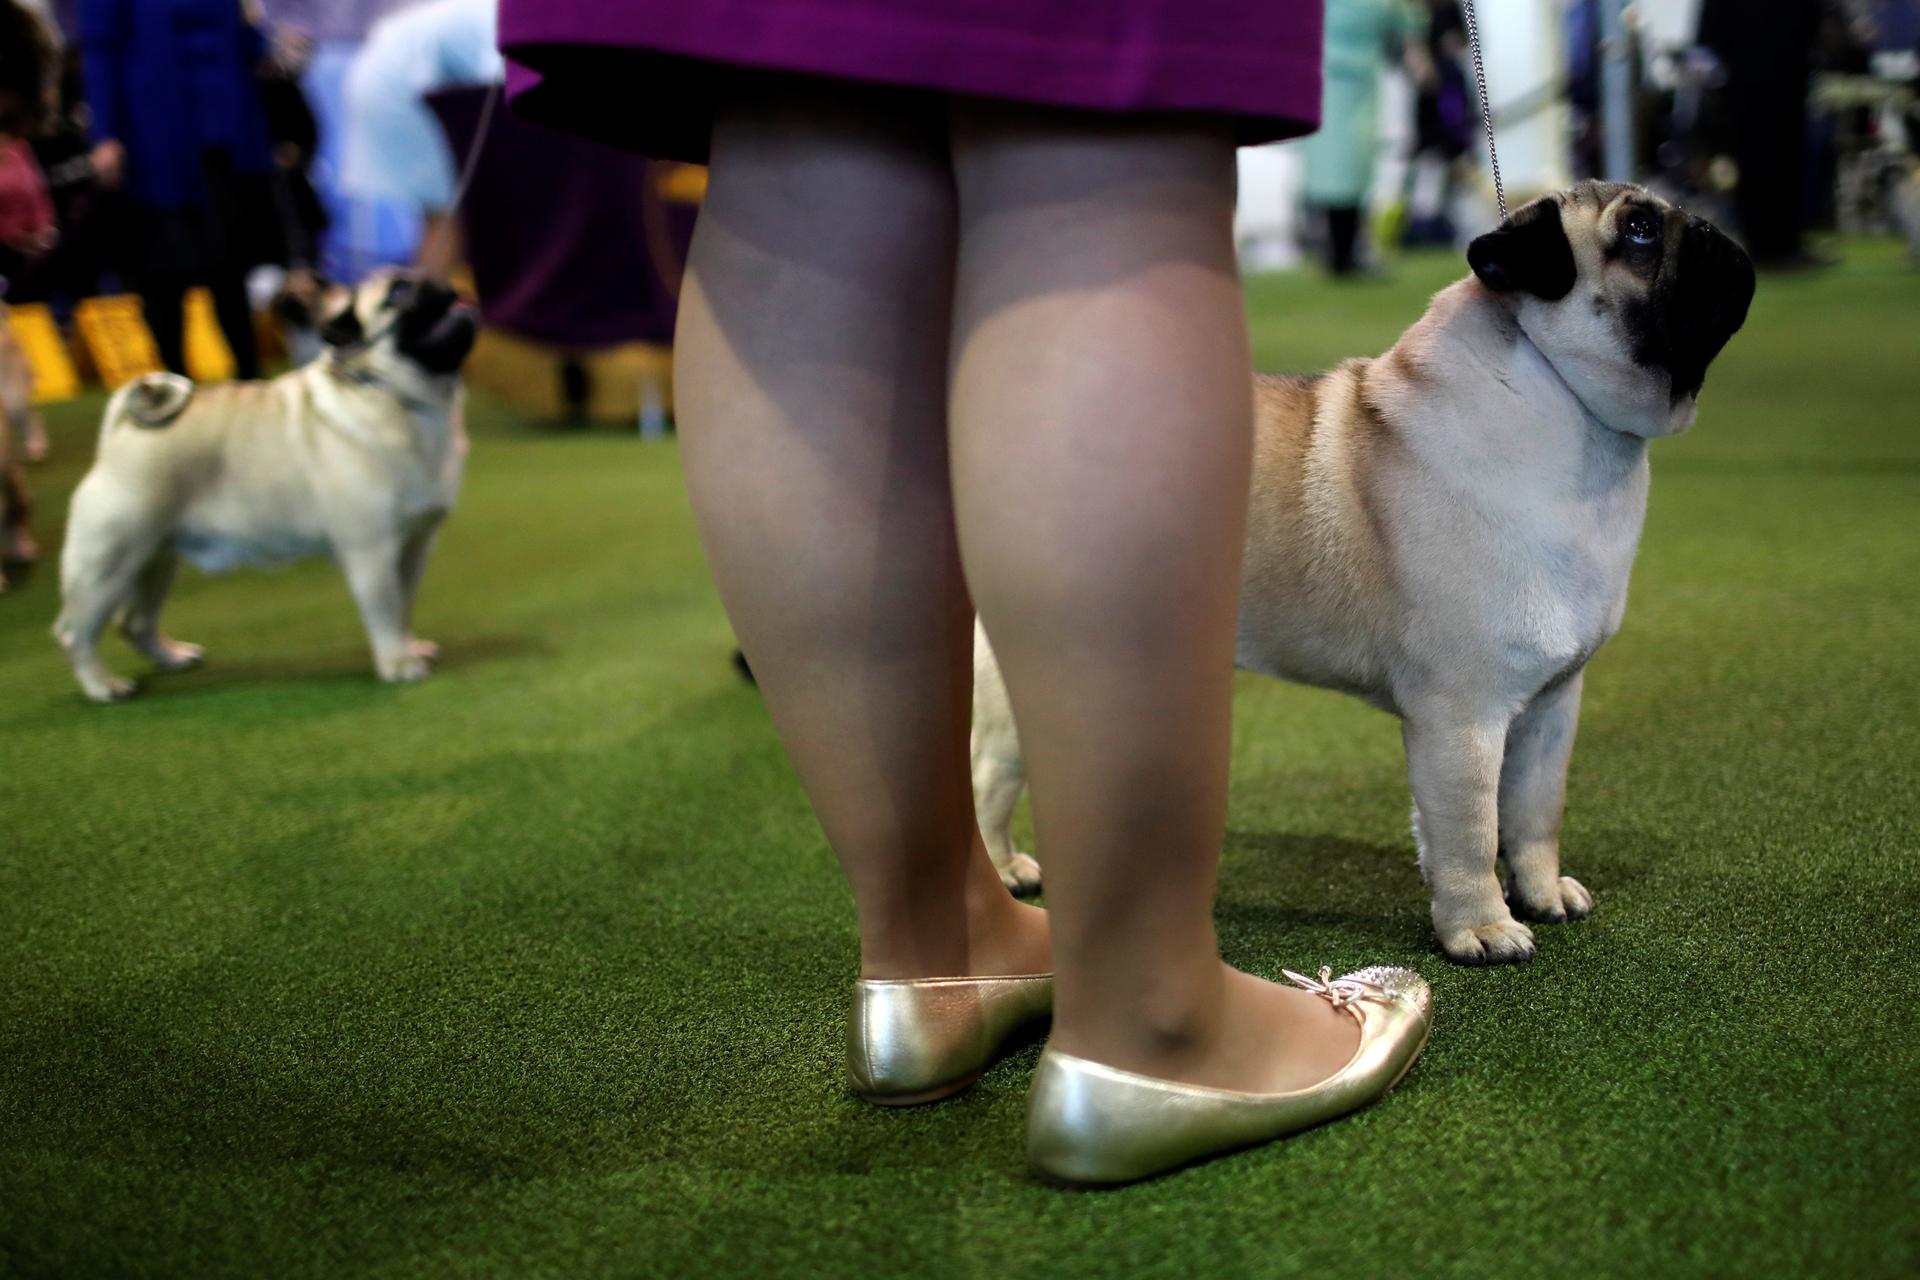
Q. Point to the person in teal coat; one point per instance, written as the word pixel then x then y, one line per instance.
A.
pixel 1361 36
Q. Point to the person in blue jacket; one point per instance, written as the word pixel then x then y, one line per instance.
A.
pixel 179 127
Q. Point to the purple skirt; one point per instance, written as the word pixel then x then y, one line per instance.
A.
pixel 643 74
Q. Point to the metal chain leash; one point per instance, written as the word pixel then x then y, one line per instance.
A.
pixel 471 164
pixel 1486 112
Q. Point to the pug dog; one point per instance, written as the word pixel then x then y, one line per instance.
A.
pixel 357 456
pixel 19 426
pixel 1447 532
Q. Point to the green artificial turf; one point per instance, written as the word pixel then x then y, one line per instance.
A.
pixel 539 968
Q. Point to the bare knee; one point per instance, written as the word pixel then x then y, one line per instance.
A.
pixel 1154 186
pixel 842 179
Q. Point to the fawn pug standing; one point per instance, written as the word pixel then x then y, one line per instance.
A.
pixel 1447 531
pixel 357 455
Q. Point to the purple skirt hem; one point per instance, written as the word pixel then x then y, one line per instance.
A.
pixel 652 91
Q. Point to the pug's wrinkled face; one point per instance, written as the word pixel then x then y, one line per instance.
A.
pixel 402 329
pixel 1627 296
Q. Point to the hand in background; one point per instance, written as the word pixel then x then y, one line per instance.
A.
pixel 1419 64
pixel 109 162
pixel 289 51
pixel 37 243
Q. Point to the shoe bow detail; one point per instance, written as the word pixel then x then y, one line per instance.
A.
pixel 1339 992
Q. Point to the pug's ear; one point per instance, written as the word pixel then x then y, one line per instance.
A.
pixel 343 328
pixel 1528 253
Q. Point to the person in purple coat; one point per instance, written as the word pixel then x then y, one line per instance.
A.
pixel 962 329
pixel 179 127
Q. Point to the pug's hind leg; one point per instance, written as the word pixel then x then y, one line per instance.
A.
pixel 373 575
pixel 999 772
pixel 1533 794
pixel 141 621
pixel 97 571
pixel 1453 761
pixel 998 780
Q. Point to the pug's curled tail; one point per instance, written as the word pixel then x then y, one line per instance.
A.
pixel 150 401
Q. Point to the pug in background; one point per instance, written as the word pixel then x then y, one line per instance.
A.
pixel 1906 206
pixel 1447 532
pixel 357 456
pixel 17 545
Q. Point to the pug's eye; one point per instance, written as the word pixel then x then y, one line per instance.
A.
pixel 1639 228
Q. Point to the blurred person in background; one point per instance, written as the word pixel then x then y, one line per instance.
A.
pixel 1361 36
pixel 295 138
pixel 1582 34
pixel 27 61
pixel 28 235
pixel 90 218
pixel 292 288
pixel 179 126
pixel 1443 127
pixel 28 56
pixel 27 228
pixel 394 149
pixel 1767 49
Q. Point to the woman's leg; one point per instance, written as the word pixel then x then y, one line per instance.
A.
pixel 1343 239
pixel 810 378
pixel 234 310
pixel 163 299
pixel 1102 422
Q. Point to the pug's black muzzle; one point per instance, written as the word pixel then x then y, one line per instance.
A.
pixel 1698 303
pixel 435 330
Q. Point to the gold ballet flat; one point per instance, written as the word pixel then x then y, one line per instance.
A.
pixel 1094 1125
pixel 914 1040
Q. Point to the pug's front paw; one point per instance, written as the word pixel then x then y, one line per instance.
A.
pixel 409 668
pixel 1566 899
pixel 108 688
pixel 1504 941
pixel 1021 875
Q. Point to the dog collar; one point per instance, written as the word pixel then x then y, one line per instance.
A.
pixel 360 378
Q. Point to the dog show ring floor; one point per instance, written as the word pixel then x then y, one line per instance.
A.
pixel 541 967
